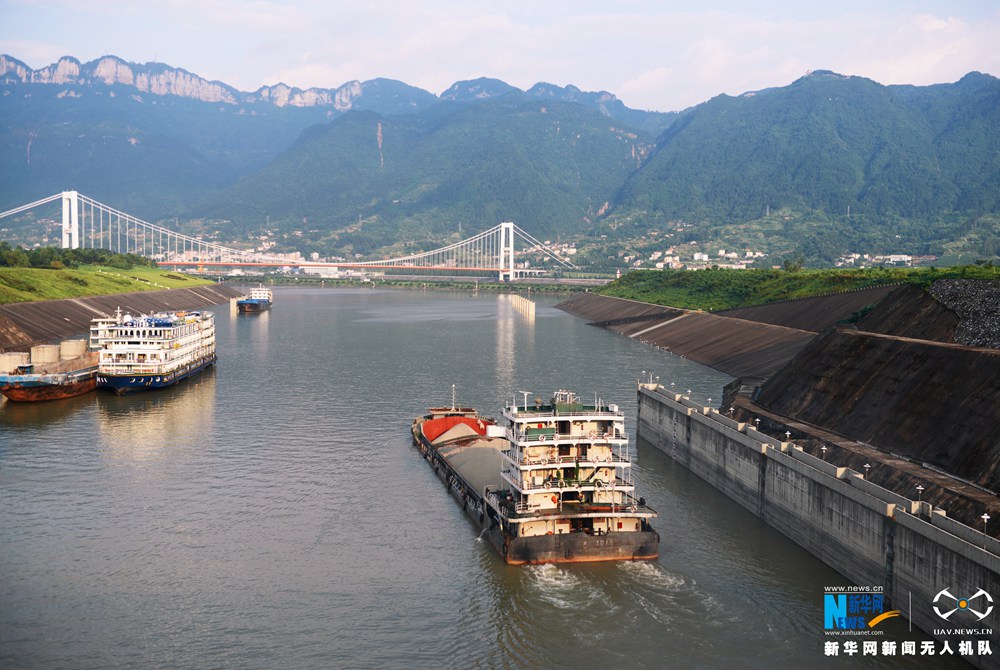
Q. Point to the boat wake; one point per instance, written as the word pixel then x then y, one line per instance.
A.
pixel 665 596
pixel 652 574
pixel 562 587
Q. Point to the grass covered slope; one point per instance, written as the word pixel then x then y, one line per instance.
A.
pixel 20 284
pixel 722 288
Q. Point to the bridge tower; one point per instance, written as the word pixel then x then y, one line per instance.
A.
pixel 70 220
pixel 506 259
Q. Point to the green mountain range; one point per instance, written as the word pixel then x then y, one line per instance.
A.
pixel 366 181
pixel 864 162
pixel 825 165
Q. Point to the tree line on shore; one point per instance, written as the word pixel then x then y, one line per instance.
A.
pixel 716 288
pixel 55 258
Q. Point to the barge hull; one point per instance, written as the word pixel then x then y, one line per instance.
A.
pixel 583 548
pixel 252 306
pixel 36 393
pixel 122 384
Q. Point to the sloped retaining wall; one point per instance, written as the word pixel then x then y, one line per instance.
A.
pixel 25 324
pixel 868 534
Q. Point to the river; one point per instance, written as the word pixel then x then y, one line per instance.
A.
pixel 272 513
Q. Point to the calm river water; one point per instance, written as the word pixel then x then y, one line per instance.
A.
pixel 273 513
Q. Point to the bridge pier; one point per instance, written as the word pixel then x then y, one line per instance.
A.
pixel 506 258
pixel 70 220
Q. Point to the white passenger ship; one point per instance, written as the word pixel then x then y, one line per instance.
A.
pixel 139 353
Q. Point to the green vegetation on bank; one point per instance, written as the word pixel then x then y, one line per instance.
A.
pixel 721 288
pixel 54 258
pixel 48 273
pixel 27 284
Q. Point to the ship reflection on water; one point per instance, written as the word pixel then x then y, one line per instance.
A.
pixel 38 414
pixel 151 425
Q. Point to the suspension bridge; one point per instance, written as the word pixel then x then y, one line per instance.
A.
pixel 87 223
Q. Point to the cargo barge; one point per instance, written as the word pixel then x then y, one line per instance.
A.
pixel 552 485
pixel 52 372
pixel 259 300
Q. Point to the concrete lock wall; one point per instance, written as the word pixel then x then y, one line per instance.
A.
pixel 872 536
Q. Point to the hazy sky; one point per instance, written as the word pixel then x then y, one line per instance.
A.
pixel 664 55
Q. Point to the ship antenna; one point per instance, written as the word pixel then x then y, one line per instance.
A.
pixel 452 397
pixel 526 394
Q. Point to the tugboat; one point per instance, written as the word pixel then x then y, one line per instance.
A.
pixel 139 353
pixel 259 300
pixel 552 485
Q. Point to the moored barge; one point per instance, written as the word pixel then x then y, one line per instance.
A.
pixel 34 382
pixel 552 485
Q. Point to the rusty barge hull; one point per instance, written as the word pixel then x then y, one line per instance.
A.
pixel 582 548
pixel 566 548
pixel 21 393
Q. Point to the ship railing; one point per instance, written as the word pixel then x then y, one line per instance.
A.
pixel 547 411
pixel 522 510
pixel 493 500
pixel 628 505
pixel 546 485
pixel 609 436
pixel 130 369
pixel 617 459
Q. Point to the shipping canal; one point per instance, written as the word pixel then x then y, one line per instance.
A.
pixel 273 513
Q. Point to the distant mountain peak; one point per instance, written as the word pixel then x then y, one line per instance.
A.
pixel 383 96
pixel 477 89
pixel 825 74
pixel 154 78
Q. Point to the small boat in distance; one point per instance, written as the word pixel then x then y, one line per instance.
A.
pixel 139 353
pixel 257 301
pixel 552 485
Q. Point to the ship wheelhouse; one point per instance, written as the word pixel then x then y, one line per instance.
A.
pixel 568 469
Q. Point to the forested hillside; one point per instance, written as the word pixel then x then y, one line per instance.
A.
pixel 853 164
pixel 365 181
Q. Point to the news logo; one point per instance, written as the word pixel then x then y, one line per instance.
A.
pixel 979 605
pixel 858 608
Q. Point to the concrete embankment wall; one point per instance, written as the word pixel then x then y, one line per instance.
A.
pixel 932 402
pixel 736 346
pixel 812 314
pixel 870 535
pixel 25 324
